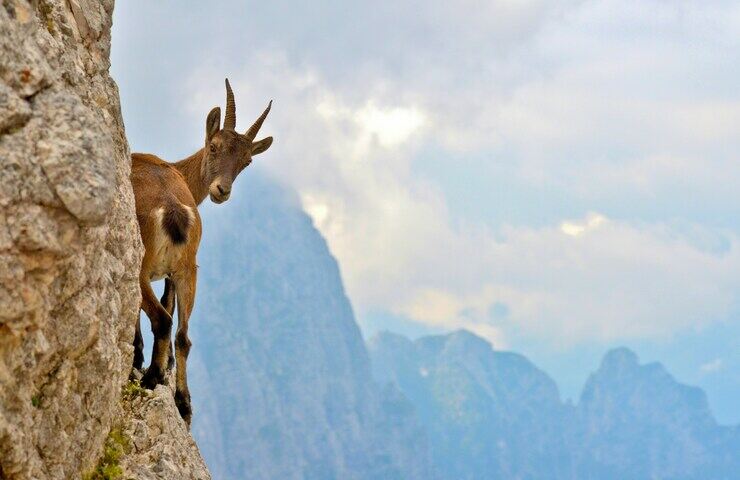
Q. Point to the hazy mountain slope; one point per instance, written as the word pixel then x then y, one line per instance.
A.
pixel 489 414
pixel 280 376
pixel 636 421
pixel 494 415
pixel 283 389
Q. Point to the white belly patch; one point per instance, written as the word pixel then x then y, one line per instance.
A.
pixel 164 259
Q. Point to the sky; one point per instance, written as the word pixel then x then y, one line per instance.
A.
pixel 560 178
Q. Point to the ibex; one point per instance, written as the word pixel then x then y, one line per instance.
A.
pixel 167 196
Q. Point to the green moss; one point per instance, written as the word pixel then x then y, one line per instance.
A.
pixel 13 129
pixel 133 390
pixel 36 401
pixel 45 13
pixel 116 445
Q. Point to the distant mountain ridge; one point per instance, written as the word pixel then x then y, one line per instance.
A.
pixel 637 421
pixel 280 378
pixel 285 388
pixel 493 414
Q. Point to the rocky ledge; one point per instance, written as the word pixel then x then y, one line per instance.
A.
pixel 156 441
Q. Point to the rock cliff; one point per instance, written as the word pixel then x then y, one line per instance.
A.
pixel 69 245
pixel 156 442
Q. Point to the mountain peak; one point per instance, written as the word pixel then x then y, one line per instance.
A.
pixel 467 339
pixel 385 337
pixel 619 358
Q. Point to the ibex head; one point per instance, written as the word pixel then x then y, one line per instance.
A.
pixel 228 152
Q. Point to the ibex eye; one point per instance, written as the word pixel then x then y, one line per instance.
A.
pixel 213 148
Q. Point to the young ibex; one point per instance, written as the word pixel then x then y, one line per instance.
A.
pixel 167 196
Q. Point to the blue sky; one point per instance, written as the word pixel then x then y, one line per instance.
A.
pixel 558 177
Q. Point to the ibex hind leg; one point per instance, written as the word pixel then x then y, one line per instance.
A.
pixel 138 346
pixel 162 329
pixel 185 287
pixel 168 302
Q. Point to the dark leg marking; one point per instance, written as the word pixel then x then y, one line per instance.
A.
pixel 162 329
pixel 138 346
pixel 168 302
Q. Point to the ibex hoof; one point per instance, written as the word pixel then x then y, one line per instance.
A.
pixel 170 362
pixel 135 375
pixel 153 377
pixel 138 360
pixel 182 400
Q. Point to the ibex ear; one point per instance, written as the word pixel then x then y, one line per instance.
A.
pixel 213 123
pixel 261 145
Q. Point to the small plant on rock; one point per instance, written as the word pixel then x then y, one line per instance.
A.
pixel 133 389
pixel 116 445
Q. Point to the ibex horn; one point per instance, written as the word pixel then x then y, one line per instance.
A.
pixel 252 132
pixel 230 119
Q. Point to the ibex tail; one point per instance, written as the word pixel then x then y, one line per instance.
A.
pixel 176 221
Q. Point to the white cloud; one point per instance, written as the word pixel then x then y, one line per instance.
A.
pixel 713 366
pixel 388 126
pixel 575 229
pixel 619 282
pixel 596 117
pixel 392 126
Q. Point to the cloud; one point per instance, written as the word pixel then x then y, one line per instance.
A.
pixel 573 164
pixel 713 366
pixel 388 126
pixel 575 229
pixel 618 281
pixel 401 250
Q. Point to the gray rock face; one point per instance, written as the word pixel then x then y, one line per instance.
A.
pixel 492 414
pixel 280 377
pixel 159 444
pixel 69 242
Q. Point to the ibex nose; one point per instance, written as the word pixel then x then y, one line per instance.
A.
pixel 223 190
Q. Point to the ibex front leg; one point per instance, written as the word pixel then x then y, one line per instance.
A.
pixel 185 288
pixel 162 329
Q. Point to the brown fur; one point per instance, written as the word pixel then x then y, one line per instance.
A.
pixel 167 196
pixel 159 190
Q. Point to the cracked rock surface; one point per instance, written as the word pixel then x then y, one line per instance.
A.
pixel 160 444
pixel 69 244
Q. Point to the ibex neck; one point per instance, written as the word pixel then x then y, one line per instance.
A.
pixel 190 168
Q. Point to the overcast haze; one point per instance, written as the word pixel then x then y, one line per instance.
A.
pixel 558 177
